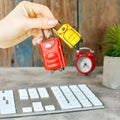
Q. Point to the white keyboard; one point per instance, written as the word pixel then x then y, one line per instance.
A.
pixel 46 100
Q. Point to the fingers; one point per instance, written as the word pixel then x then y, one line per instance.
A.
pixel 43 23
pixel 38 16
pixel 34 9
pixel 42 10
pixel 37 40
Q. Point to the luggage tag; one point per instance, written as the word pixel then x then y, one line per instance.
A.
pixel 52 53
pixel 69 35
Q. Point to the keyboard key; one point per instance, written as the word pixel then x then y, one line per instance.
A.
pixel 70 97
pixel 43 92
pixel 33 93
pixel 7 109
pixel 60 97
pixel 49 107
pixel 90 95
pixel 37 106
pixel 80 96
pixel 23 94
pixel 63 102
pixel 7 104
pixel 26 109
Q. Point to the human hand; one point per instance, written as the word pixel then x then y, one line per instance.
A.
pixel 25 20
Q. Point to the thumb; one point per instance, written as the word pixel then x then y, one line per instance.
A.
pixel 42 23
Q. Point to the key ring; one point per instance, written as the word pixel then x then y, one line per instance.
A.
pixel 53 35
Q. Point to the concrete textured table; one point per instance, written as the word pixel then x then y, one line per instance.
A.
pixel 14 78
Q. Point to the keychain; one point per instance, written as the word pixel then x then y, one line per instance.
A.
pixel 85 62
pixel 52 53
pixel 69 35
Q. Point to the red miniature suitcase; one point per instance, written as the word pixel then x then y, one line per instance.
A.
pixel 52 54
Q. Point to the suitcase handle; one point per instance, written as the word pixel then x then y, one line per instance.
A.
pixel 43 34
pixel 53 35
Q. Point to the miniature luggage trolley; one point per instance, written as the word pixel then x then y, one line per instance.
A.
pixel 69 35
pixel 52 53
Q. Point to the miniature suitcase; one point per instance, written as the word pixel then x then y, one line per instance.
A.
pixel 69 35
pixel 52 54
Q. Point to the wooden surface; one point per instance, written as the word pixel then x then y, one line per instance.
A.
pixel 6 55
pixel 95 19
pixel 90 18
pixel 14 78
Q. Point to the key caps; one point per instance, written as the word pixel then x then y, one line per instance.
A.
pixel 63 102
pixel 93 99
pixel 7 104
pixel 32 101
pixel 80 96
pixel 23 94
pixel 37 106
pixel 26 109
pixel 33 93
pixel 49 107
pixel 70 97
pixel 43 92
pixel 60 97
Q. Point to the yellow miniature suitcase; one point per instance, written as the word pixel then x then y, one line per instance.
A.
pixel 69 35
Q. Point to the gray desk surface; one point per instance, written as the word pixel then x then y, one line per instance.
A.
pixel 14 78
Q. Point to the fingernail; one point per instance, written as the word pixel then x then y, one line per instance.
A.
pixel 52 22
